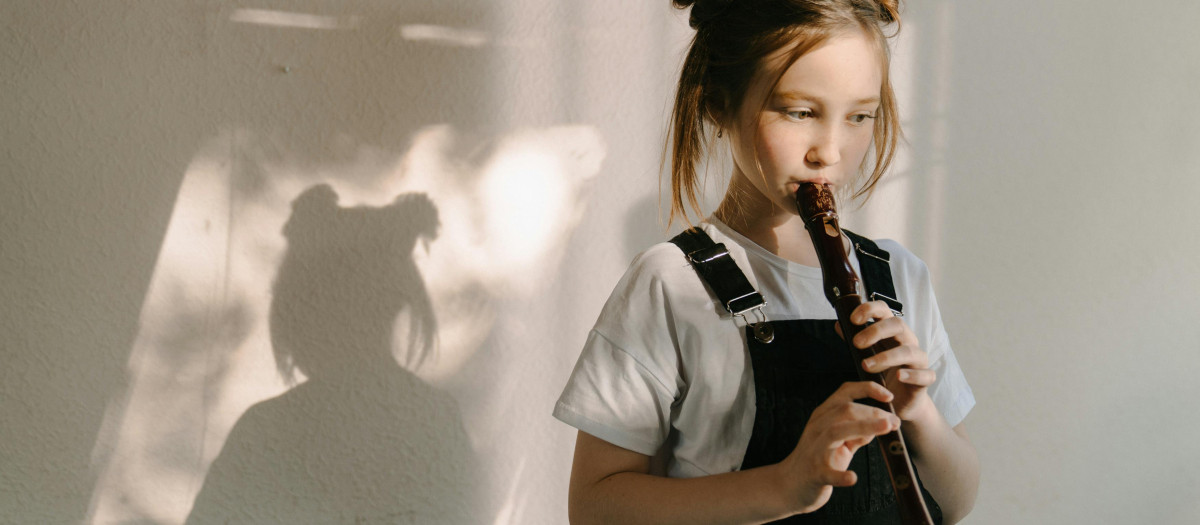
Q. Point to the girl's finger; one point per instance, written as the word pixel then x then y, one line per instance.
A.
pixel 892 327
pixel 852 390
pixel 854 444
pixel 839 478
pixel 862 430
pixel 916 376
pixel 871 310
pixel 908 356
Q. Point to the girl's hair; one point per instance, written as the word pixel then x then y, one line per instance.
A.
pixel 733 39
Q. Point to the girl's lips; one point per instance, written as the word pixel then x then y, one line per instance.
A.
pixel 795 184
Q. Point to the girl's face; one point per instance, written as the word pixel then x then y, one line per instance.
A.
pixel 816 125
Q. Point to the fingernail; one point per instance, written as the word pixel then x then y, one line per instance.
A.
pixel 868 363
pixel 905 375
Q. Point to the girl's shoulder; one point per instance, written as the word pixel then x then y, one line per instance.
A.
pixel 659 280
pixel 662 268
pixel 666 262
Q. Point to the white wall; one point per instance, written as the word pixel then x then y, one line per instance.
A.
pixel 151 153
pixel 1068 260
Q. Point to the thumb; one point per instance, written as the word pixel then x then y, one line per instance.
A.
pixel 841 478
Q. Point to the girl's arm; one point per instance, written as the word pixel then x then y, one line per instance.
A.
pixel 610 484
pixel 949 468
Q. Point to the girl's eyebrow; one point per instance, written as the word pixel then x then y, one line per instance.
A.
pixel 795 95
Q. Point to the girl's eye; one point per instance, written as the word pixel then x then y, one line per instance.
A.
pixel 799 114
pixel 860 118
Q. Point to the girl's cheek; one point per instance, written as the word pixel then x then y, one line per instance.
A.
pixel 860 152
pixel 778 150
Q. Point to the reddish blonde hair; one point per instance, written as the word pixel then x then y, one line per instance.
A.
pixel 732 42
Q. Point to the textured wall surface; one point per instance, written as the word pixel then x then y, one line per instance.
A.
pixel 331 262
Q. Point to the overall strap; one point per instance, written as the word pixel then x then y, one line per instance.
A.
pixel 718 270
pixel 877 273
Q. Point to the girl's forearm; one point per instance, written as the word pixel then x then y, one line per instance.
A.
pixel 946 461
pixel 749 496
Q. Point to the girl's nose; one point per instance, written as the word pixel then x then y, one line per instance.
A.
pixel 824 151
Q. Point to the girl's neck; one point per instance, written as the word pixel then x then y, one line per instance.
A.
pixel 778 231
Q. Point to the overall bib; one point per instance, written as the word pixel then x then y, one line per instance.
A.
pixel 797 364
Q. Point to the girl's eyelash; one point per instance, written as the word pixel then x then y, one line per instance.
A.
pixel 864 116
pixel 802 114
pixel 798 114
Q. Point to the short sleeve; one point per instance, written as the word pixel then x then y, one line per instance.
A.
pixel 627 379
pixel 950 392
pixel 612 396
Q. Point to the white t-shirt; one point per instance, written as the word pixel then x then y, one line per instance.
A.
pixel 666 370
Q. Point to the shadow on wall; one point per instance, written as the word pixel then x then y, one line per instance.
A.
pixel 327 450
pixel 265 102
pixel 118 361
pixel 181 134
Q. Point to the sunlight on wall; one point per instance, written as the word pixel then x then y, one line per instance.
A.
pixel 199 337
pixel 512 211
pixel 939 129
pixel 908 204
pixel 203 354
pixel 888 212
pixel 527 196
pixel 266 17
pixel 514 506
pixel 443 35
pixel 517 199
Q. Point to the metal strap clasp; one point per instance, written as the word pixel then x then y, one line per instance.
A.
pixel 858 248
pixel 711 253
pixel 891 302
pixel 763 331
pixel 742 312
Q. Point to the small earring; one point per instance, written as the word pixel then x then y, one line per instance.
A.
pixel 720 132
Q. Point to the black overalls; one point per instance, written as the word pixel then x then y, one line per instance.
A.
pixel 797 365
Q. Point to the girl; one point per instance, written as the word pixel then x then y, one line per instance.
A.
pixel 688 410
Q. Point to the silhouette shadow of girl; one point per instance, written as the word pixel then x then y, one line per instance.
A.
pixel 363 439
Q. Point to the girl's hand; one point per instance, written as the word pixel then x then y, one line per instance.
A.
pixel 905 366
pixel 836 429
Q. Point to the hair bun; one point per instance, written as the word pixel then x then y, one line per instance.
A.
pixel 889 10
pixel 702 10
pixel 317 198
